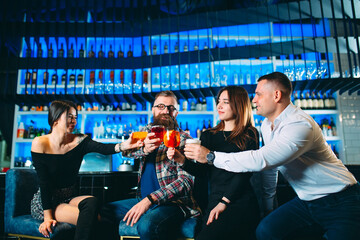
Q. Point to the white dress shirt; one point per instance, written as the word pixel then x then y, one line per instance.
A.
pixel 297 147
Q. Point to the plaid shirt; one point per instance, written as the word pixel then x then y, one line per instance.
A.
pixel 176 185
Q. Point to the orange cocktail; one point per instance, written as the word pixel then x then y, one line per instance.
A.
pixel 172 138
pixel 136 136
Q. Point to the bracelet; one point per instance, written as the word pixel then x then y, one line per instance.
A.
pixel 224 202
pixel 150 199
pixel 118 149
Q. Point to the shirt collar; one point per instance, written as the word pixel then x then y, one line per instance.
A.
pixel 283 115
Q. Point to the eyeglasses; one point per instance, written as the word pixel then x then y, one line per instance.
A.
pixel 161 107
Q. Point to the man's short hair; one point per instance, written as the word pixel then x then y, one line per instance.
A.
pixel 166 94
pixel 281 80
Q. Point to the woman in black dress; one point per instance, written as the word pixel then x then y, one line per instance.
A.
pixel 57 157
pixel 232 211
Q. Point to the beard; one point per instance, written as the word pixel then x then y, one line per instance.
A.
pixel 165 120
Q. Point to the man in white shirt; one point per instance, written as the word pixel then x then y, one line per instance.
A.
pixel 328 195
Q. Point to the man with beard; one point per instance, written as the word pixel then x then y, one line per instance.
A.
pixel 164 197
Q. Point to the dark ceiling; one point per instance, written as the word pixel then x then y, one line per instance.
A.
pixel 114 10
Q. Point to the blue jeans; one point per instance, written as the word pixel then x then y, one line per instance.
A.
pixel 159 222
pixel 337 215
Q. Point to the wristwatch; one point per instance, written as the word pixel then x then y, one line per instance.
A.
pixel 210 158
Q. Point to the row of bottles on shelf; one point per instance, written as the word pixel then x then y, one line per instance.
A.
pixel 327 126
pixel 312 100
pixel 173 42
pixel 115 128
pixel 100 52
pixel 188 76
pixel 309 100
pixel 30 131
pixel 185 105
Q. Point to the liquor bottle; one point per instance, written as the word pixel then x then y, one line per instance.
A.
pixel 40 51
pixel 46 78
pixel 112 76
pixel 192 106
pixel 63 79
pixel 145 80
pixel 224 77
pixel 101 130
pixel 241 78
pixel 101 52
pixel 321 101
pixel 114 128
pixel 34 78
pixel 61 51
pixel 143 51
pixel 198 132
pixel 27 77
pixel 154 52
pixel 111 52
pixel 297 101
pixel 196 47
pixel 326 102
pixel 187 77
pixel 309 101
pixel 203 104
pixel 108 127
pixel 205 45
pixel 96 131
pixel 133 77
pixel 303 101
pixel 71 51
pixel 248 77
pixel 166 48
pixel 176 48
pixel 165 80
pixel 129 53
pixel 216 82
pixel 122 77
pixel 332 102
pixel 20 130
pixel 120 53
pixel 72 79
pixel 54 79
pixel 204 126
pixel 197 77
pixel 91 53
pixel 50 51
pixel 92 77
pixel 187 130
pixel 185 105
pixel 176 82
pixel 315 101
pixel 156 82
pixel 80 79
pixel 333 126
pixel 198 106
pixel 235 78
pixel 186 48
pixel 101 76
pixel 81 52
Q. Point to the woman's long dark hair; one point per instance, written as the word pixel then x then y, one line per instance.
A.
pixel 57 108
pixel 244 121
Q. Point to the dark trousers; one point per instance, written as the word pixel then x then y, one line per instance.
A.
pixel 238 221
pixel 336 215
pixel 159 223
